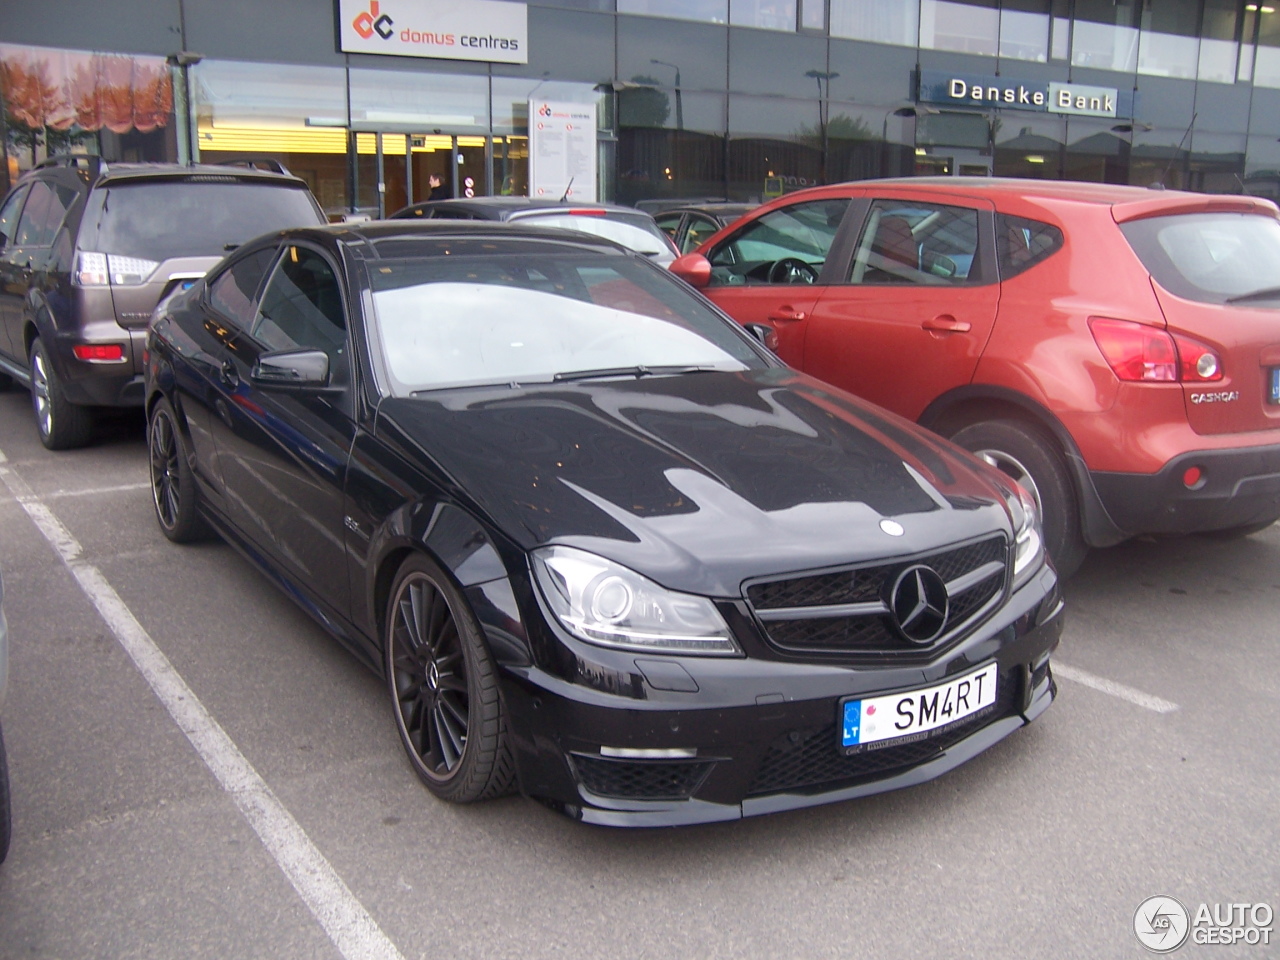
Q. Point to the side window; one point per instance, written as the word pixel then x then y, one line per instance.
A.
pixel 669 223
pixel 9 214
pixel 1022 243
pixel 924 244
pixel 450 213
pixel 302 306
pixel 233 291
pixel 767 249
pixel 700 228
pixel 43 214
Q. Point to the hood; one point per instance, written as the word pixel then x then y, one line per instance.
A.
pixel 705 480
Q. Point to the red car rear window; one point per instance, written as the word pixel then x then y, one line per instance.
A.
pixel 1211 257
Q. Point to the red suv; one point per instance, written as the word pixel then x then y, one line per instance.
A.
pixel 1115 349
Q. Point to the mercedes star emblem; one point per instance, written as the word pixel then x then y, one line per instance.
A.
pixel 918 602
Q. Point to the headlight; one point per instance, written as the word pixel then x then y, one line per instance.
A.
pixel 607 604
pixel 1028 542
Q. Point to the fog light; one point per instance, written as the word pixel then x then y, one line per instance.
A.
pixel 1193 478
pixel 99 352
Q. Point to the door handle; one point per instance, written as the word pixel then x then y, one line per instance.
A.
pixel 229 375
pixel 947 324
pixel 786 314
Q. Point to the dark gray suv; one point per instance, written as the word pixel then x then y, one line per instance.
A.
pixel 88 249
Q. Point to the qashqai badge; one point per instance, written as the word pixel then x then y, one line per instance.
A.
pixel 918 602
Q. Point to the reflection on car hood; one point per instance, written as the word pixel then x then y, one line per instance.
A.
pixel 703 480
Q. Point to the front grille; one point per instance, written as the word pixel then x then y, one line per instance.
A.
pixel 640 779
pixel 806 759
pixel 870 631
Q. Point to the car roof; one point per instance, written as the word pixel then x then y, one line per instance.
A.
pixel 364 238
pixel 725 208
pixel 1125 202
pixel 94 170
pixel 208 172
pixel 500 208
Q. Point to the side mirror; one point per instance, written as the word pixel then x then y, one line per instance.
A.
pixel 764 333
pixel 291 368
pixel 693 268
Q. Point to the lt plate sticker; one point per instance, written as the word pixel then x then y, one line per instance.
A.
pixel 917 711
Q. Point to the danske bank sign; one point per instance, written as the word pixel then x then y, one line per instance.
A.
pixel 987 91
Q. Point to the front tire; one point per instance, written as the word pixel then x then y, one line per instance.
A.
pixel 444 688
pixel 173 485
pixel 62 425
pixel 1023 452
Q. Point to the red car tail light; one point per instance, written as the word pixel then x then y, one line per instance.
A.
pixel 1199 363
pixel 1139 352
pixel 99 352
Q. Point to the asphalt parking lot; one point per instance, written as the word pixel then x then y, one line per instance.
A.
pixel 199 771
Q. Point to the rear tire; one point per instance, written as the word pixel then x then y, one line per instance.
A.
pixel 62 425
pixel 444 688
pixel 1025 453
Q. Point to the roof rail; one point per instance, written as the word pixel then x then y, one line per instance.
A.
pixel 254 163
pixel 94 166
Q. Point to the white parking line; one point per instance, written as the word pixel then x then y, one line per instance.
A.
pixel 352 930
pixel 95 491
pixel 1145 700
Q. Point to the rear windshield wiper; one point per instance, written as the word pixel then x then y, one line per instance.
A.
pixel 1266 293
pixel 637 371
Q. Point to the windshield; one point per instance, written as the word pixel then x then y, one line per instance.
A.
pixel 640 234
pixel 510 319
pixel 1210 257
pixel 160 219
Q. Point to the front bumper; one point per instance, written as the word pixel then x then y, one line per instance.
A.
pixel 759 736
pixel 1239 487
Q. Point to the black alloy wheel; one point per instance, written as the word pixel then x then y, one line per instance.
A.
pixel 62 424
pixel 173 486
pixel 445 688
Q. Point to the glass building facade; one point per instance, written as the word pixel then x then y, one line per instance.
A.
pixel 743 99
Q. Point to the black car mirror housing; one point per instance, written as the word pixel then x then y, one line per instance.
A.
pixel 291 368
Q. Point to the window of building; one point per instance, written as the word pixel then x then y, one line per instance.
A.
pixel 709 11
pixel 1024 30
pixel 813 14
pixel 765 14
pixel 972 27
pixel 294 114
pixel 1262 23
pixel 1219 49
pixel 880 21
pixel 1105 35
pixel 1169 45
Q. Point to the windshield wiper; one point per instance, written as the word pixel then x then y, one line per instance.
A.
pixel 1266 293
pixel 640 370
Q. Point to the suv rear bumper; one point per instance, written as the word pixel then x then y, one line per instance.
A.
pixel 102 384
pixel 1238 487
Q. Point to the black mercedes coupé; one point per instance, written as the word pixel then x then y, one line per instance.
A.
pixel 604 547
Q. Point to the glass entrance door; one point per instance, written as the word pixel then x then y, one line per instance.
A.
pixel 394 170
